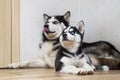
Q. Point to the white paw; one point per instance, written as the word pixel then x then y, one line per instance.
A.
pixel 17 65
pixel 13 66
pixel 85 71
pixel 105 68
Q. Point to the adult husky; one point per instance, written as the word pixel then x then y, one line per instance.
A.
pixel 53 27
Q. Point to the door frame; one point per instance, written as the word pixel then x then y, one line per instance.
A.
pixel 15 31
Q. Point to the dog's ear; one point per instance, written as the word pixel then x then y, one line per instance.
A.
pixel 67 16
pixel 45 16
pixel 81 27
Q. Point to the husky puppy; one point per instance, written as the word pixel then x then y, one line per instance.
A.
pixel 52 29
pixel 103 55
pixel 71 57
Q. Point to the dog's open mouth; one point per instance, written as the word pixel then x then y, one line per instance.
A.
pixel 48 31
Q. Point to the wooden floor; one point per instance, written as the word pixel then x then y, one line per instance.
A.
pixel 49 74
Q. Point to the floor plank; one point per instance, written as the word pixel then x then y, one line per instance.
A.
pixel 49 74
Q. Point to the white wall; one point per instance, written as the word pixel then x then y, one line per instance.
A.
pixel 101 18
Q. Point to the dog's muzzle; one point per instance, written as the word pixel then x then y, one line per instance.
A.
pixel 64 37
pixel 46 29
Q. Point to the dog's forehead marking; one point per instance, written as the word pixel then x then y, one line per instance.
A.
pixel 71 29
pixel 67 29
pixel 52 19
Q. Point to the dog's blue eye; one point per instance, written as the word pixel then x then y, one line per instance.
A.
pixel 72 32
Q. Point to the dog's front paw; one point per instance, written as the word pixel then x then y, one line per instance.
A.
pixel 13 66
pixel 85 72
pixel 17 65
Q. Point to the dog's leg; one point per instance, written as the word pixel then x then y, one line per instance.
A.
pixel 50 62
pixel 79 71
pixel 28 64
pixel 87 69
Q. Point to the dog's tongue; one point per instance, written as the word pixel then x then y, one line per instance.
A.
pixel 46 29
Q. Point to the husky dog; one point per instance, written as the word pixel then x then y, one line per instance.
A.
pixel 53 27
pixel 70 57
pixel 103 55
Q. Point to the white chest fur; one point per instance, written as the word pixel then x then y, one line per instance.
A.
pixel 76 61
pixel 48 54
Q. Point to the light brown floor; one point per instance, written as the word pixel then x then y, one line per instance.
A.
pixel 49 74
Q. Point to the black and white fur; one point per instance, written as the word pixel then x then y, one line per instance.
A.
pixel 103 55
pixel 71 57
pixel 52 29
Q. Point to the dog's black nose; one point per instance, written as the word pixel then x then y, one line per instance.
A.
pixel 46 26
pixel 64 35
